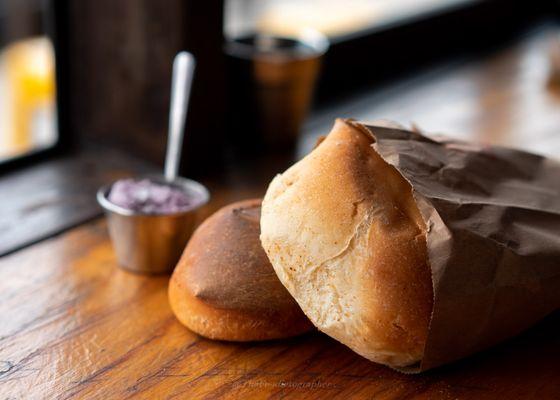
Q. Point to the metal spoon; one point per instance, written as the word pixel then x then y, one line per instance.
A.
pixel 183 69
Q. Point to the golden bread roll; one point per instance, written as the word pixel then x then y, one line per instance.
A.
pixel 345 237
pixel 224 286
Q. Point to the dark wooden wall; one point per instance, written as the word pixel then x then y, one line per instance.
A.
pixel 117 58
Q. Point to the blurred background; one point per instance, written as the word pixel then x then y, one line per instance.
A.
pixel 27 59
pixel 85 87
pixel 110 62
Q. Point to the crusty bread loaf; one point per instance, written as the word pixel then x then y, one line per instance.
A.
pixel 224 286
pixel 345 237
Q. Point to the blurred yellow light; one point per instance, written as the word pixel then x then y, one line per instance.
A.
pixel 30 88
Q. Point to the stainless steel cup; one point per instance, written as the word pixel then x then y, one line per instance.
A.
pixel 151 243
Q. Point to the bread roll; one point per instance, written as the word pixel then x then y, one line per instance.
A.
pixel 224 286
pixel 345 237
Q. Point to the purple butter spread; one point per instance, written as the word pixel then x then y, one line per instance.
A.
pixel 151 197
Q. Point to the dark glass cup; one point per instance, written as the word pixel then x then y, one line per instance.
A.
pixel 271 84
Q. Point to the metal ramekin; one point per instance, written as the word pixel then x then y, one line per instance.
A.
pixel 151 243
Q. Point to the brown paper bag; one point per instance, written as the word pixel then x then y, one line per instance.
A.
pixel 493 218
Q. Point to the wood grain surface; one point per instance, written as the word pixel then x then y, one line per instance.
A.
pixel 76 326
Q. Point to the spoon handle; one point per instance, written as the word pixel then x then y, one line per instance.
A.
pixel 183 69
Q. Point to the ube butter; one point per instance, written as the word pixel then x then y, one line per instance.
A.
pixel 149 197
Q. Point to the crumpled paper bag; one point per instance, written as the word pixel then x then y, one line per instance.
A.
pixel 493 220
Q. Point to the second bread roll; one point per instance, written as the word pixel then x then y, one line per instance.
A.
pixel 345 237
pixel 224 286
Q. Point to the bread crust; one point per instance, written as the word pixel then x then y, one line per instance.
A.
pixel 344 235
pixel 224 286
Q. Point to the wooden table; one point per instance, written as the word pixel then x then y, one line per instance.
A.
pixel 73 325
